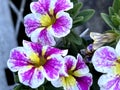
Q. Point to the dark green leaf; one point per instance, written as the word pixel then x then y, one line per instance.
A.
pixel 111 11
pixel 74 1
pixel 78 19
pixel 18 87
pixel 16 79
pixel 116 6
pixel 41 88
pixel 22 87
pixel 48 86
pixel 74 38
pixel 87 14
pixel 116 20
pixel 75 10
pixel 106 18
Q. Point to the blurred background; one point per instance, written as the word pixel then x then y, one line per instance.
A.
pixel 12 32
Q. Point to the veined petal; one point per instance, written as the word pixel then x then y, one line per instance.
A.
pixel 57 83
pixel 70 63
pixel 104 58
pixel 42 36
pixel 69 83
pixel 109 82
pixel 117 49
pixel 41 6
pixel 45 38
pixel 81 68
pixel 62 25
pixel 31 77
pixel 32 47
pixel 17 59
pixel 84 82
pixel 52 68
pixel 80 62
pixel 62 5
pixel 31 23
pixel 54 51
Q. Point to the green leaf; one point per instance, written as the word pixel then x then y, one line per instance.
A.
pixel 111 11
pixel 106 18
pixel 18 87
pixel 75 10
pixel 78 19
pixel 74 38
pixel 74 1
pixel 16 79
pixel 87 14
pixel 116 6
pixel 22 87
pixel 115 19
pixel 49 86
pixel 41 88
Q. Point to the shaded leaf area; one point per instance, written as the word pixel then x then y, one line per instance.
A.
pixel 80 17
pixel 113 19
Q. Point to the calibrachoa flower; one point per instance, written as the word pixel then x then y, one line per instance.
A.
pixel 76 75
pixel 34 63
pixel 48 20
pixel 101 39
pixel 107 60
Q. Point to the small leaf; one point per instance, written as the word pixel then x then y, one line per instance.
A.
pixel 74 1
pixel 116 6
pixel 41 88
pixel 22 87
pixel 111 11
pixel 75 10
pixel 116 20
pixel 87 14
pixel 74 38
pixel 106 18
pixel 18 87
pixel 78 19
pixel 16 79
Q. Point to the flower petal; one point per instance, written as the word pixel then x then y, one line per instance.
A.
pixel 41 6
pixel 81 67
pixel 69 83
pixel 117 49
pixel 17 59
pixel 57 83
pixel 62 25
pixel 70 62
pixel 62 5
pixel 109 82
pixel 104 58
pixel 45 38
pixel 32 47
pixel 31 77
pixel 31 23
pixel 52 67
pixel 84 82
pixel 54 51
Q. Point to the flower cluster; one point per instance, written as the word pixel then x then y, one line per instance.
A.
pixel 56 55
pixel 38 60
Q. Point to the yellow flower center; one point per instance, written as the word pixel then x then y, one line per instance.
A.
pixel 37 60
pixel 68 81
pixel 47 20
pixel 116 68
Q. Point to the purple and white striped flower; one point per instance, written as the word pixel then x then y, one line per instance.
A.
pixel 75 76
pixel 48 20
pixel 107 60
pixel 35 62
